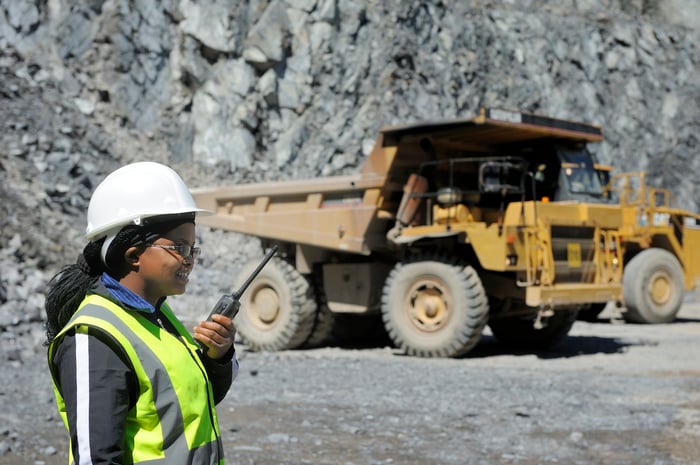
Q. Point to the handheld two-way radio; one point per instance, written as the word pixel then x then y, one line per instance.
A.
pixel 229 304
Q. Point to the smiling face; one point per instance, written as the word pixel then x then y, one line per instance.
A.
pixel 159 272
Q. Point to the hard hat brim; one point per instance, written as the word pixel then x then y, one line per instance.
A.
pixel 138 220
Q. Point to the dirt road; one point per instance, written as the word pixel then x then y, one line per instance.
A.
pixel 608 394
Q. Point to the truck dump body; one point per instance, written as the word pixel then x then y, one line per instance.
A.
pixel 353 213
pixel 336 212
pixel 499 219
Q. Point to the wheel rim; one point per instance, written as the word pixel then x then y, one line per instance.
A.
pixel 660 288
pixel 264 305
pixel 428 304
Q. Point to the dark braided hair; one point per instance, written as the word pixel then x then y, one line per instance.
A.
pixel 67 289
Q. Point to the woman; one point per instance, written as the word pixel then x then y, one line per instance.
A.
pixel 131 384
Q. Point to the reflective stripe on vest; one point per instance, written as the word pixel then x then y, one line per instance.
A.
pixel 176 421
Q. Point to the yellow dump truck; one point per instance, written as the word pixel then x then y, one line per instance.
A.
pixel 499 219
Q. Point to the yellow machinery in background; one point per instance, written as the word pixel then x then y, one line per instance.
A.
pixel 502 219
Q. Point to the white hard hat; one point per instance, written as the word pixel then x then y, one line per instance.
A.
pixel 135 192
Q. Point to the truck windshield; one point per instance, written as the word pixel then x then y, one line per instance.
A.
pixel 580 173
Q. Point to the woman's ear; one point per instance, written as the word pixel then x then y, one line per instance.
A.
pixel 133 255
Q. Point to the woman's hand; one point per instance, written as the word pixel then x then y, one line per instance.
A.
pixel 216 335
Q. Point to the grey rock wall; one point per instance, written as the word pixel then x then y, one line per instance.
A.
pixel 303 85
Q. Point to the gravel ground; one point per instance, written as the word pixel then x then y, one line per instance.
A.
pixel 610 393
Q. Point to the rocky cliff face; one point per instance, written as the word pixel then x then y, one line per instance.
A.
pixel 242 91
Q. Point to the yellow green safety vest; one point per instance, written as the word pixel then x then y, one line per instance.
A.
pixel 174 421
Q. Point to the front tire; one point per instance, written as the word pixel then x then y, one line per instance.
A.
pixel 278 309
pixel 653 287
pixel 434 307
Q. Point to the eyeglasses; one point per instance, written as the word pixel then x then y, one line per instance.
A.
pixel 185 251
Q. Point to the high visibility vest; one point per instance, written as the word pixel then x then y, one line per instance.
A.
pixel 174 421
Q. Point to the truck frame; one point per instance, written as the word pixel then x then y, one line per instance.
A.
pixel 500 219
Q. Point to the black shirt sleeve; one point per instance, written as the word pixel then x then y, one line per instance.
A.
pixel 99 388
pixel 220 373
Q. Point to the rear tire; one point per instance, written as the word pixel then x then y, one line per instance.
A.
pixel 653 287
pixel 324 322
pixel 278 309
pixel 434 307
pixel 345 329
